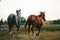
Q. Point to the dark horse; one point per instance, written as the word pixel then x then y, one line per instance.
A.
pixel 35 21
pixel 14 21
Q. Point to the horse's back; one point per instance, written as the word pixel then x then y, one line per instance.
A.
pixel 32 17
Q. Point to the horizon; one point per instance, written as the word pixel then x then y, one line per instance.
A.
pixel 29 7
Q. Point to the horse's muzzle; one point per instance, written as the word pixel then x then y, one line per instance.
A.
pixel 44 19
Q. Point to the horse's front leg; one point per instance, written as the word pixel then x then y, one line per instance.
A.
pixel 37 34
pixel 18 28
pixel 32 30
pixel 17 31
pixel 39 28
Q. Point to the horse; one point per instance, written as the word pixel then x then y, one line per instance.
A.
pixel 35 21
pixel 14 21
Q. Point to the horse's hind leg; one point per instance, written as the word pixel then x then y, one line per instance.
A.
pixel 32 30
pixel 28 29
pixel 10 32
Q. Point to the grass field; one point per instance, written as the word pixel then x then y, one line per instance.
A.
pixel 48 32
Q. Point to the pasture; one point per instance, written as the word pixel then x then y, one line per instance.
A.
pixel 47 32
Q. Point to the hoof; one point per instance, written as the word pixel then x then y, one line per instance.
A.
pixel 37 34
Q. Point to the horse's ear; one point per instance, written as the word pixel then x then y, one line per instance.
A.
pixel 44 11
pixel 19 9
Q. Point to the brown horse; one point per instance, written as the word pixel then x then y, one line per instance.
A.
pixel 35 21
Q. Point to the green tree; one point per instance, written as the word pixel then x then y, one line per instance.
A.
pixel 56 21
pixel 5 22
pixel 1 22
pixel 23 20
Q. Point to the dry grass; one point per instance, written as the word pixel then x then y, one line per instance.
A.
pixel 44 34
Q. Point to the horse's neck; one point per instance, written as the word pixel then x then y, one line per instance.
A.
pixel 40 16
pixel 40 20
pixel 19 15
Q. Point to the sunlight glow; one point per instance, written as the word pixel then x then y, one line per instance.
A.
pixel 28 7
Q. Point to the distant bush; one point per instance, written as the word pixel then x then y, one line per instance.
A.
pixel 50 28
pixel 45 28
pixel 56 21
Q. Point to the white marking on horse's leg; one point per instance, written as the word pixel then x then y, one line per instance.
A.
pixel 10 33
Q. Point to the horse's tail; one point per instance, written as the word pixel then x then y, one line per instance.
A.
pixel 26 24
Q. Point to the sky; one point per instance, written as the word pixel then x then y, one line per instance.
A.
pixel 29 7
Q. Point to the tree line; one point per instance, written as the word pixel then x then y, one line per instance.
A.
pixel 23 20
pixel 2 22
pixel 54 21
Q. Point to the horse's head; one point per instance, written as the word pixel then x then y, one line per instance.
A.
pixel 42 14
pixel 17 11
